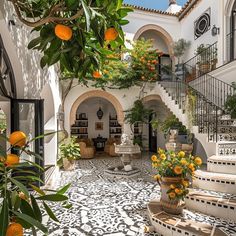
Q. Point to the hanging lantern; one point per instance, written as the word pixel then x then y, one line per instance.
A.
pixel 99 113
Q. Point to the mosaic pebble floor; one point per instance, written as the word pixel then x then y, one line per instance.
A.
pixel 112 207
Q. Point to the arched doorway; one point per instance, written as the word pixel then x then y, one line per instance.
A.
pixel 99 94
pixel 161 41
pixel 155 138
pixel 97 116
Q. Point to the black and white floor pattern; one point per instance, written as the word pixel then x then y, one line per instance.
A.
pixel 111 207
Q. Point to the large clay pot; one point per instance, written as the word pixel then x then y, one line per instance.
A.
pixel 68 165
pixel 175 206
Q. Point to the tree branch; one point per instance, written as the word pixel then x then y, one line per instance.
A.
pixel 47 19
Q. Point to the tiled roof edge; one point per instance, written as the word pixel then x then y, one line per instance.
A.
pixel 181 14
pixel 149 10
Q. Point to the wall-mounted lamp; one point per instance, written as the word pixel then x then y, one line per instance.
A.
pixel 215 30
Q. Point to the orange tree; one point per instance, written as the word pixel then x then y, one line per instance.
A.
pixel 22 203
pixel 128 66
pixel 73 32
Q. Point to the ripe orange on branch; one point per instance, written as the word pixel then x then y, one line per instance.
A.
pixel 17 138
pixel 97 74
pixel 14 229
pixel 63 32
pixel 111 34
pixel 12 159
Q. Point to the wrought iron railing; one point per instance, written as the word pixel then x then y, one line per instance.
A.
pixel 7 78
pixel 231 46
pixel 200 110
pixel 215 90
pixel 204 62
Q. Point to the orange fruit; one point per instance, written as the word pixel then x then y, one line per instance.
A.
pixel 14 229
pixel 12 159
pixel 63 32
pixel 17 138
pixel 97 75
pixel 111 34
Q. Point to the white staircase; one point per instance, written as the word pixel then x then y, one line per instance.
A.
pixel 214 189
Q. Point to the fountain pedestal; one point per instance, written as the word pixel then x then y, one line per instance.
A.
pixel 126 149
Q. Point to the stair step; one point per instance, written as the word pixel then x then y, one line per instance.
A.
pixel 219 182
pixel 212 203
pixel 178 225
pixel 222 164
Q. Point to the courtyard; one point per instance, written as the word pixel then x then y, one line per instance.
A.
pixel 109 206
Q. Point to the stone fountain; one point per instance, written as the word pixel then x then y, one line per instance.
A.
pixel 126 149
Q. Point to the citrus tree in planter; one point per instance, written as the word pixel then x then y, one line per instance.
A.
pixel 174 171
pixel 22 203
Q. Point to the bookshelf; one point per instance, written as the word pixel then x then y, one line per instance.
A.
pixel 80 127
pixel 115 129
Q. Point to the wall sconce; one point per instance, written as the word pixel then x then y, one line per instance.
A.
pixel 215 30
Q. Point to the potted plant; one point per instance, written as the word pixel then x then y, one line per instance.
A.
pixel 174 171
pixel 203 58
pixel 69 153
pixel 230 104
pixel 214 59
pixel 180 47
pixel 136 116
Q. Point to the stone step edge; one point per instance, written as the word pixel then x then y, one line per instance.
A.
pixel 215 177
pixel 178 219
pixel 198 196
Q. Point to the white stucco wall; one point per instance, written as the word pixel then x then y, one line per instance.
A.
pixel 30 78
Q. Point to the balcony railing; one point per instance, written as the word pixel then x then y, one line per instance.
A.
pixel 203 62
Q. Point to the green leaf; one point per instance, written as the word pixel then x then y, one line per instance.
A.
pixel 44 61
pixel 64 189
pixel 4 218
pixel 26 208
pixel 20 186
pixel 38 190
pixel 33 43
pixel 87 14
pixel 31 220
pixel 53 198
pixel 36 209
pixel 50 213
pixel 54 58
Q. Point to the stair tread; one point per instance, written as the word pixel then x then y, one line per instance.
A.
pixel 215 175
pixel 218 197
pixel 230 158
pixel 185 222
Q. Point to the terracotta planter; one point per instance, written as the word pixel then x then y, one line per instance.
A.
pixel 204 68
pixel 68 165
pixel 175 206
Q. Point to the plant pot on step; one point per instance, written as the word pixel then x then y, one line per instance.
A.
pixel 68 164
pixel 171 206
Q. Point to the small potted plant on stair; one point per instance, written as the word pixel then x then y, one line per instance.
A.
pixel 69 153
pixel 203 59
pixel 174 172
pixel 180 47
pixel 230 104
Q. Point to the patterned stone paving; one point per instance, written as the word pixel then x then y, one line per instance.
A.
pixel 115 207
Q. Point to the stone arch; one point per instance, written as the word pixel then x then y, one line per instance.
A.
pixel 98 93
pixel 228 7
pixel 163 33
pixel 151 97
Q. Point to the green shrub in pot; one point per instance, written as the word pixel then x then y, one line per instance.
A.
pixel 69 153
